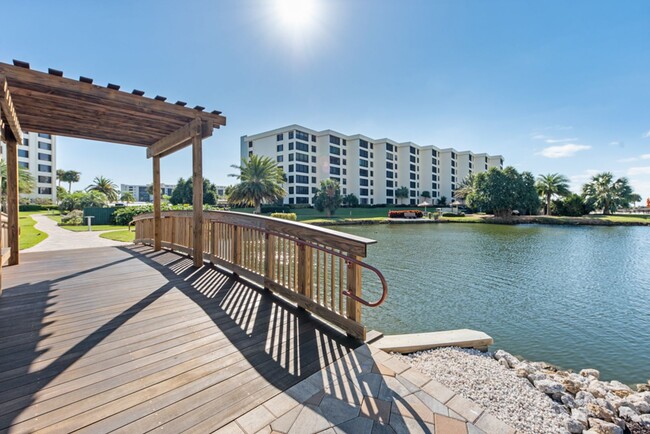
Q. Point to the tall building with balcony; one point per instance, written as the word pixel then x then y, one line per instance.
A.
pixel 37 154
pixel 371 169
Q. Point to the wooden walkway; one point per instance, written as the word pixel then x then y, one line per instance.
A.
pixel 127 339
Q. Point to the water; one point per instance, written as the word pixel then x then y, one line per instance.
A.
pixel 575 297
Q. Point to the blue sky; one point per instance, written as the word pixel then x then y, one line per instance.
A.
pixel 553 86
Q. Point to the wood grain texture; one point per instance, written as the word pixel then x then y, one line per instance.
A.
pixel 12 197
pixel 130 339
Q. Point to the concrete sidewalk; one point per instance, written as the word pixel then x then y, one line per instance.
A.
pixel 63 239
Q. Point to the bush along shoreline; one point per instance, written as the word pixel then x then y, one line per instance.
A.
pixel 593 406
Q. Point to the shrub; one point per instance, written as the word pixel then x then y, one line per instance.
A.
pixel 73 218
pixel 266 209
pixel 81 200
pixel 399 214
pixel 31 207
pixel 300 206
pixel 453 214
pixel 123 216
pixel 284 215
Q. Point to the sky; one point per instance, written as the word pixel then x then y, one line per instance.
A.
pixel 553 86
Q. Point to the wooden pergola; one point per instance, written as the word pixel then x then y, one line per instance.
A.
pixel 52 104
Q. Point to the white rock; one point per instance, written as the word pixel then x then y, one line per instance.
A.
pixel 568 400
pixel 537 376
pixel 511 360
pixel 627 412
pixel 585 396
pixel 645 419
pixel 602 427
pixel 590 373
pixel 549 386
pixel 580 415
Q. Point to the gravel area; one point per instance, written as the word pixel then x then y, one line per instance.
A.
pixel 479 377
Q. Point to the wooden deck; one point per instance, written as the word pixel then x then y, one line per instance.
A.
pixel 133 340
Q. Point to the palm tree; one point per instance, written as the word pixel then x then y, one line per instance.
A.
pixel 464 187
pixel 60 173
pixel 260 180
pixel 26 182
pixel 71 176
pixel 127 197
pixel 104 185
pixel 552 184
pixel 328 198
pixel 605 193
pixel 402 193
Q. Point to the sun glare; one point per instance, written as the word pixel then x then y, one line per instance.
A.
pixel 296 15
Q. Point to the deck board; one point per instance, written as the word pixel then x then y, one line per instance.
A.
pixel 124 338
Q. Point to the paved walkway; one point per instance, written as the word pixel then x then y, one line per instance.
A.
pixel 368 391
pixel 63 239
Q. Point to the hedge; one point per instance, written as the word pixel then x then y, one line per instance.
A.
pixel 399 214
pixel 284 215
pixel 35 207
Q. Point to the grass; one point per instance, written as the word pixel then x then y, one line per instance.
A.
pixel 311 214
pixel 123 235
pixel 84 227
pixel 29 235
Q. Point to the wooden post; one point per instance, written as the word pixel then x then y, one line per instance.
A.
pixel 12 195
pixel 157 220
pixel 269 257
pixel 197 200
pixel 236 245
pixel 354 287
pixel 305 270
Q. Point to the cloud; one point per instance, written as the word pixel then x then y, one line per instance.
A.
pixel 647 135
pixel 645 157
pixel 633 171
pixel 617 143
pixel 551 141
pixel 563 151
pixel 627 160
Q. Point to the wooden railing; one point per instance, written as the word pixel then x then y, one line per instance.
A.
pixel 316 268
pixel 5 252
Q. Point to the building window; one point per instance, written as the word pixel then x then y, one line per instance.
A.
pixel 412 167
pixel 280 148
pixel 25 141
pixel 334 150
pixel 313 148
pixel 291 179
pixel 389 174
pixel 302 146
pixel 23 153
pixel 389 156
pixel 363 172
pixel 44 168
pixel 313 169
pixel 302 200
pixel 313 180
pixel 302 136
pixel 250 153
pixel 389 183
pixel 335 171
pixel 290 169
pixel 279 158
pixel 302 168
pixel 345 142
pixel 363 182
pixel 291 146
pixel 44 190
pixel 44 157
pixel 45 179
pixel 363 163
pixel 363 192
pixel 363 144
pixel 290 157
pixel 335 140
pixel 302 190
pixel 313 158
pixel 23 164
pixel 45 146
pixel 313 138
pixel 302 157
pixel 363 153
pixel 302 179
pixel 389 192
pixel 389 165
pixel 279 137
pixel 250 144
pixel 335 160
pixel 44 136
pixel 290 190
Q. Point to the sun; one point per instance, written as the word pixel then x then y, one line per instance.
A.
pixel 296 15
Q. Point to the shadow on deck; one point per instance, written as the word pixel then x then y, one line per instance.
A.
pixel 131 339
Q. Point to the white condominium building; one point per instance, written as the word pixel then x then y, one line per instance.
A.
pixel 37 154
pixel 370 169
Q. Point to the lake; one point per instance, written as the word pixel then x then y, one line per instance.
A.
pixel 575 297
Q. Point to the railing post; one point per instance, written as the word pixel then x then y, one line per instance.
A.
pixel 354 287
pixel 236 245
pixel 305 270
pixel 269 256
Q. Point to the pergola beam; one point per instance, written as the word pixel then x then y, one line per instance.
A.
pixel 12 194
pixel 180 138
pixel 8 109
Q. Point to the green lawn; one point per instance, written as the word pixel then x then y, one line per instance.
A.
pixel 29 235
pixel 123 235
pixel 84 227
pixel 304 214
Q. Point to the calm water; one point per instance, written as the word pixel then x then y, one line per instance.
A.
pixel 576 297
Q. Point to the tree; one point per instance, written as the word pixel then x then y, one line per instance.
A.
pixel 606 193
pixel 464 187
pixel 328 197
pixel 552 184
pixel 183 193
pixel 26 182
pixel 104 185
pixel 127 197
pixel 402 193
pixel 260 180
pixel 81 200
pixel 70 176
pixel 572 205
pixel 442 201
pixel 60 173
pixel 60 193
pixel 425 194
pixel 502 191
pixel 350 200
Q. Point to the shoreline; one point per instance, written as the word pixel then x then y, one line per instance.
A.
pixel 536 396
pixel 523 220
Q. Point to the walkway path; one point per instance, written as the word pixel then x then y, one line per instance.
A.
pixel 63 239
pixel 368 391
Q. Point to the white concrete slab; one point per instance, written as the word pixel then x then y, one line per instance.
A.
pixel 410 343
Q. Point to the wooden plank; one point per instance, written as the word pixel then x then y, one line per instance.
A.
pixel 197 200
pixel 9 111
pixel 353 307
pixel 157 220
pixel 12 197
pixel 410 343
pixel 183 135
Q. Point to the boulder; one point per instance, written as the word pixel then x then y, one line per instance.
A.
pixel 571 385
pixel 596 411
pixel 590 373
pixel 601 427
pixel 549 386
pixel 575 426
pixel 627 412
pixel 619 389
pixel 585 397
pixel 510 360
pixel 643 387
pixel 537 376
pixel 567 399
pixel 580 415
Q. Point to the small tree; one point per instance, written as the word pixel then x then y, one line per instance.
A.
pixel 442 201
pixel 104 185
pixel 60 173
pixel 425 194
pixel 606 193
pixel 71 176
pixel 260 180
pixel 552 184
pixel 328 198
pixel 127 197
pixel 26 182
pixel 502 191
pixel 402 193
pixel 351 200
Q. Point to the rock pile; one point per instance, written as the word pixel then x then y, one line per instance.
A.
pixel 593 406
